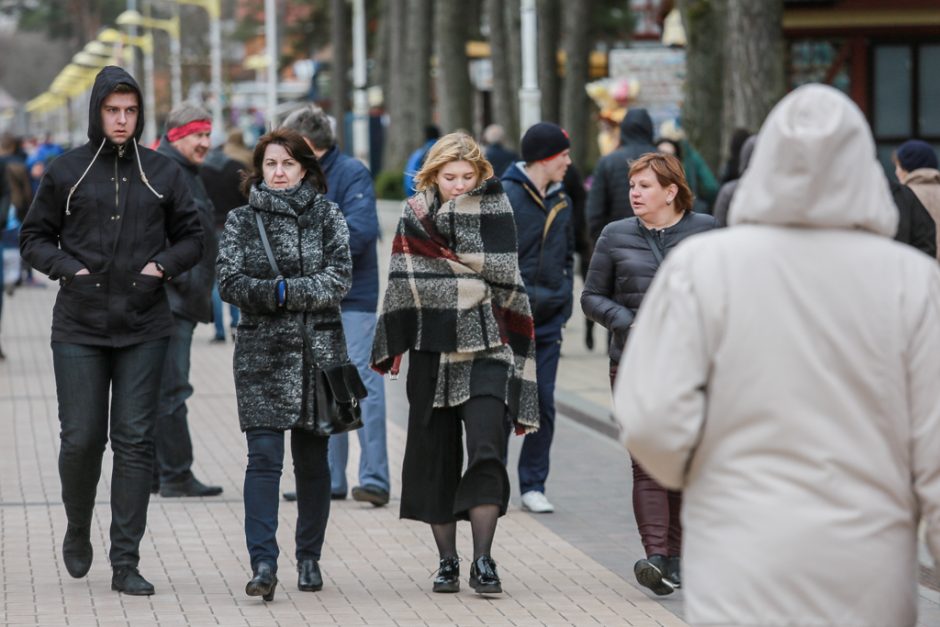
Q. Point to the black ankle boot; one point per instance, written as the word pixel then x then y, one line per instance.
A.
pixel 309 578
pixel 448 576
pixel 128 580
pixel 651 573
pixel 263 583
pixel 77 552
pixel 483 577
pixel 673 571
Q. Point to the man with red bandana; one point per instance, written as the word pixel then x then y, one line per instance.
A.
pixel 187 144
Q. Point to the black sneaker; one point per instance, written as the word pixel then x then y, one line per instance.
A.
pixel 190 487
pixel 127 579
pixel 448 576
pixel 650 573
pixel 370 494
pixel 483 577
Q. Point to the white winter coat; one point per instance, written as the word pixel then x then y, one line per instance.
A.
pixel 785 373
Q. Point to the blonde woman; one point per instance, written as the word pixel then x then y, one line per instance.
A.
pixel 456 303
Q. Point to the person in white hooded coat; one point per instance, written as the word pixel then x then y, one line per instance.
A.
pixel 784 374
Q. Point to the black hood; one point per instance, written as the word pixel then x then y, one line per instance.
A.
pixel 106 82
pixel 636 127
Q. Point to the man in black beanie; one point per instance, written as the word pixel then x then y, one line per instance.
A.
pixel 545 233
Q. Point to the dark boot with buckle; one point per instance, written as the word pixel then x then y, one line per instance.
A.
pixel 448 575
pixel 127 579
pixel 309 578
pixel 651 573
pixel 77 552
pixel 263 583
pixel 483 577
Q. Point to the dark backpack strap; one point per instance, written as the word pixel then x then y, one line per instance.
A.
pixel 266 244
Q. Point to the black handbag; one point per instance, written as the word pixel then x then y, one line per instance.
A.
pixel 338 388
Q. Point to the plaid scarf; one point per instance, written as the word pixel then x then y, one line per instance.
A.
pixel 454 287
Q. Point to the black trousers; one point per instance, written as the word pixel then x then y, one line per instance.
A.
pixel 435 489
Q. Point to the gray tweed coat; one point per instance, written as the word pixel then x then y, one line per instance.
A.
pixel 274 381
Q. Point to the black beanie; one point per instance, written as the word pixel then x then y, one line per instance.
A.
pixel 914 154
pixel 543 141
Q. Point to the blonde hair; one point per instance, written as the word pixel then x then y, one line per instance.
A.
pixel 449 148
pixel 668 171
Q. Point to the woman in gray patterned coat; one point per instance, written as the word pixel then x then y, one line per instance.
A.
pixel 273 373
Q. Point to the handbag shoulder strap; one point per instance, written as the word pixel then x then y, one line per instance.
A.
pixel 266 244
pixel 654 245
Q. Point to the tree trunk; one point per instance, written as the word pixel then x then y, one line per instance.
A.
pixel 574 98
pixel 704 22
pixel 549 23
pixel 455 94
pixel 397 138
pixel 512 26
pixel 339 88
pixel 505 111
pixel 754 65
pixel 418 92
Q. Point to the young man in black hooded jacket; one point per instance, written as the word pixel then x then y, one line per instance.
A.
pixel 112 222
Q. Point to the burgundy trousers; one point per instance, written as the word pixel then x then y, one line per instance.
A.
pixel 656 509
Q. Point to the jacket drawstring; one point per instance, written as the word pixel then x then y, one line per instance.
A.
pixel 143 176
pixel 82 177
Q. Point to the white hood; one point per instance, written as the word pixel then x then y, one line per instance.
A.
pixel 815 166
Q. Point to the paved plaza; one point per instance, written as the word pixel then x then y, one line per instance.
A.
pixel 573 567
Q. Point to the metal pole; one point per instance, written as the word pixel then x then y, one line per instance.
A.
pixel 150 97
pixel 215 43
pixel 529 95
pixel 360 79
pixel 176 77
pixel 270 43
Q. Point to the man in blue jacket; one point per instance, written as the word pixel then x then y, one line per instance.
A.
pixel 349 185
pixel 545 233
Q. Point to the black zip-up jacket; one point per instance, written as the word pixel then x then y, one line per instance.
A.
pixel 545 235
pixel 94 209
pixel 623 267
pixel 191 292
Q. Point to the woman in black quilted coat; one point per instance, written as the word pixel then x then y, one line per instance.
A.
pixel 274 376
pixel 626 257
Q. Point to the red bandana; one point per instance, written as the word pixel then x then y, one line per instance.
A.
pixel 196 126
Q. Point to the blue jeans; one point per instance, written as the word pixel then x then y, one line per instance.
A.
pixel 262 496
pixel 173 445
pixel 217 312
pixel 88 380
pixel 534 458
pixel 359 327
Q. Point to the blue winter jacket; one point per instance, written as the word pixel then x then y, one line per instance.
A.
pixel 545 234
pixel 349 185
pixel 413 165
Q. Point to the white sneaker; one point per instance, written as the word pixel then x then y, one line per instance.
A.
pixel 536 503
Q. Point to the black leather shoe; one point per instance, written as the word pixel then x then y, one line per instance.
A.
pixel 448 576
pixel 77 552
pixel 651 573
pixel 127 579
pixel 190 487
pixel 289 496
pixel 673 573
pixel 309 578
pixel 483 577
pixel 263 583
pixel 370 494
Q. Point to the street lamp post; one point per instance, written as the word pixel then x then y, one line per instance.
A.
pixel 172 28
pixel 214 10
pixel 529 96
pixel 360 99
pixel 270 44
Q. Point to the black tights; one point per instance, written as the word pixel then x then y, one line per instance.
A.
pixel 482 525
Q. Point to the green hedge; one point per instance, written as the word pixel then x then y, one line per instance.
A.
pixel 388 185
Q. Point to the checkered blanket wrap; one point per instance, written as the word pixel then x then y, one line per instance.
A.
pixel 454 287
